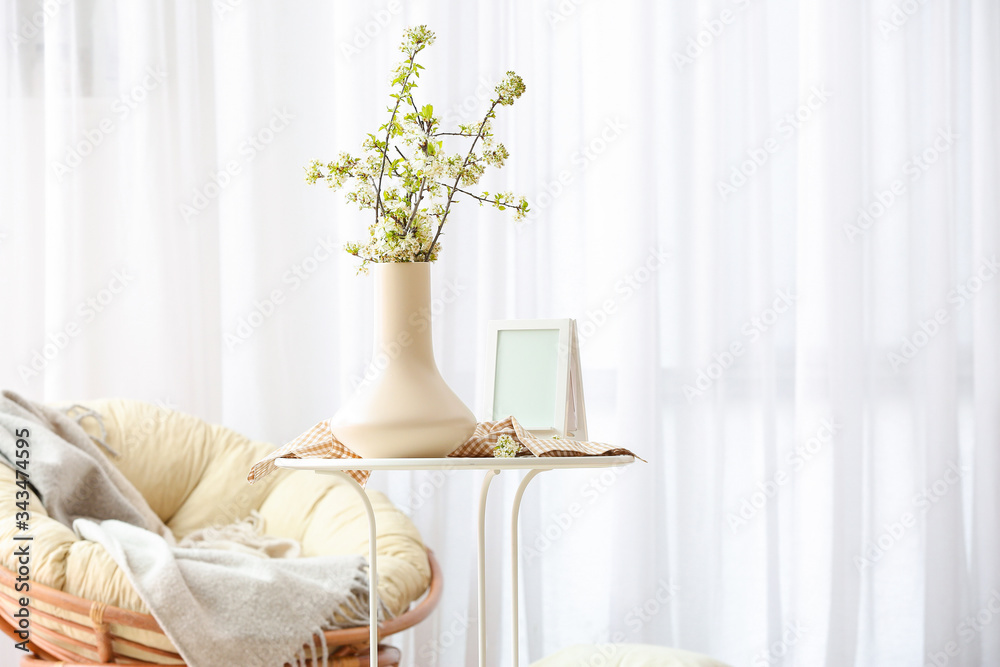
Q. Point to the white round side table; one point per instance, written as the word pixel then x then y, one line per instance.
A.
pixel 493 467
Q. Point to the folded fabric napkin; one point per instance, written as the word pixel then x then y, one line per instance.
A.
pixel 319 443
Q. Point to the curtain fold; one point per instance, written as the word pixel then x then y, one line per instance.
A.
pixel 777 225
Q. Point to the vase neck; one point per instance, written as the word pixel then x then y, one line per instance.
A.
pixel 402 309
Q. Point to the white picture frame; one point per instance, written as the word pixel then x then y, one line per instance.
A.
pixel 533 373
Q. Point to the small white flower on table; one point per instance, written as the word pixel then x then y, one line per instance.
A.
pixel 506 447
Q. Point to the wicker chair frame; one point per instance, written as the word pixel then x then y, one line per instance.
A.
pixel 49 646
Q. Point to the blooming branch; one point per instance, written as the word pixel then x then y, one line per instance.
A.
pixel 411 203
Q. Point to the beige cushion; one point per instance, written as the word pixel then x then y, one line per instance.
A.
pixel 626 655
pixel 193 474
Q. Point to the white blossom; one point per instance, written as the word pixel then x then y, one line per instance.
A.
pixel 407 177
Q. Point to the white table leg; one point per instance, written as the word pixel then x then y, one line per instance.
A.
pixel 514 557
pixel 490 474
pixel 372 567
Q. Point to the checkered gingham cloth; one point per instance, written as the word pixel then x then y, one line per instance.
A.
pixel 319 443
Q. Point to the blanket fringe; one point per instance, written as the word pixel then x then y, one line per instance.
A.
pixel 308 653
pixel 243 535
pixel 352 613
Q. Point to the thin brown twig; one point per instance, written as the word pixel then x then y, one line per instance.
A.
pixel 475 196
pixel 388 133
pixel 451 192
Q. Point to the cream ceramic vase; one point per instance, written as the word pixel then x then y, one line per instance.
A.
pixel 404 408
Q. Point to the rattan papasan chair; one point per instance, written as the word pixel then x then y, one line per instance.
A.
pixel 193 475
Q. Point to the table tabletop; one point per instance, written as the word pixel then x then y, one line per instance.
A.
pixel 456 463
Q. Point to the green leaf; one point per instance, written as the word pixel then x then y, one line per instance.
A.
pixel 427 111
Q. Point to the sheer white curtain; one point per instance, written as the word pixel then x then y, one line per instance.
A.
pixel 776 222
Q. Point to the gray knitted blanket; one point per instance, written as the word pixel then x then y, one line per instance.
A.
pixel 217 598
pixel 225 607
pixel 67 470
